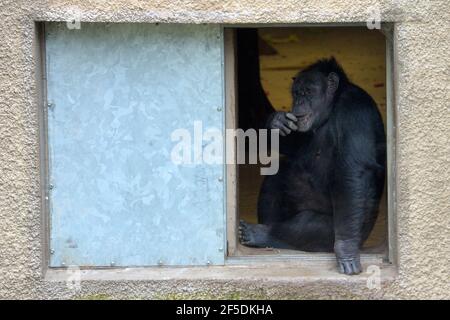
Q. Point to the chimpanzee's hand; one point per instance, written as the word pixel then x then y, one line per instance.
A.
pixel 284 121
pixel 347 255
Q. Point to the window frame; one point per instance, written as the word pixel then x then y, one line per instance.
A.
pixel 230 73
pixel 270 267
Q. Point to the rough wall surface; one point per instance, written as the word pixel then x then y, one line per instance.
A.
pixel 421 41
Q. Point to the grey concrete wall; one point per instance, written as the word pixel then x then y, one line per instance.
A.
pixel 422 43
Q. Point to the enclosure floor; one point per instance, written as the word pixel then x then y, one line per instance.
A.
pixel 250 182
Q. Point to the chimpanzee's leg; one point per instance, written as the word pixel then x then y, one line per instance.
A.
pixel 271 207
pixel 306 231
pixel 269 200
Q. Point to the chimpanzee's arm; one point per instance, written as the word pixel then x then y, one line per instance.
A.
pixel 353 182
pixel 349 210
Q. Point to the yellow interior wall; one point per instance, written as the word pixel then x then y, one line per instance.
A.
pixel 286 51
pixel 360 51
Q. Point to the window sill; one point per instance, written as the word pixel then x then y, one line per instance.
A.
pixel 283 269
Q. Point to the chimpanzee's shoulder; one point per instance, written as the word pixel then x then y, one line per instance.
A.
pixel 354 104
pixel 354 97
pixel 355 113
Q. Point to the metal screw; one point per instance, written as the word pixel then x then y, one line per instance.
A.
pixel 113 263
pixel 50 186
pixel 219 109
pixel 50 105
pixel 220 249
pixel 63 264
pixel 220 179
pixel 52 251
pixel 160 262
pixel 208 263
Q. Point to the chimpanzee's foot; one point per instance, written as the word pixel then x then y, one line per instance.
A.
pixel 254 235
pixel 347 254
pixel 349 266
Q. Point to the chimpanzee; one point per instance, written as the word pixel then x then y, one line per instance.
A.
pixel 326 194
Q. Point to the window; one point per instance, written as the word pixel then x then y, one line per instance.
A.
pixel 118 96
pixel 260 68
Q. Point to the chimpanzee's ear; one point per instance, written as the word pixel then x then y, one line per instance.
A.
pixel 333 82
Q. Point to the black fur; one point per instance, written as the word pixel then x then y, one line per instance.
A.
pixel 326 195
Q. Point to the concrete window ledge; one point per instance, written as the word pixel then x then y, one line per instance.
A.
pixel 277 271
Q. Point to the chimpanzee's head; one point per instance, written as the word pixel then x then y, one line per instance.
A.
pixel 313 92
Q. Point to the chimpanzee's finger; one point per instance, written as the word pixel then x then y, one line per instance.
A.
pixel 285 129
pixel 292 125
pixel 291 116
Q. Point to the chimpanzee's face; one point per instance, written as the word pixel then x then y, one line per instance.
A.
pixel 312 99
